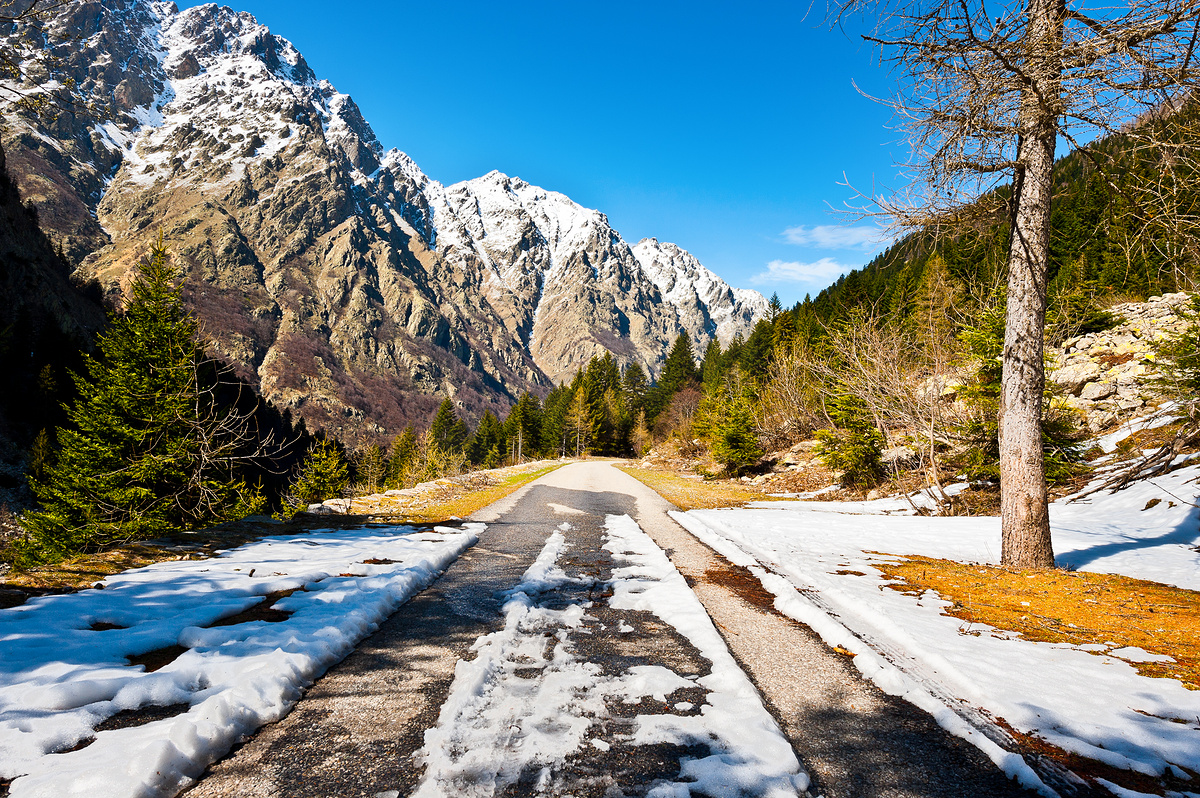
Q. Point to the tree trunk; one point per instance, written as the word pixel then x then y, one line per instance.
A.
pixel 1024 514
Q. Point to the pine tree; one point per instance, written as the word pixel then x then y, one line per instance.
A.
pixel 370 467
pixel 712 369
pixel 448 430
pixel 680 366
pixel 633 385
pixel 937 297
pixel 678 371
pixel 855 447
pixel 404 451
pixel 734 440
pixel 554 422
pixel 323 475
pixel 146 449
pixel 984 341
pixel 579 424
pixel 523 428
pixel 488 441
pixel 639 436
pixel 755 356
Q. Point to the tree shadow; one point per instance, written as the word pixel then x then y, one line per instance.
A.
pixel 1186 533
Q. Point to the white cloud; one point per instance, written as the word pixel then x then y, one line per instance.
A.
pixel 823 271
pixel 831 236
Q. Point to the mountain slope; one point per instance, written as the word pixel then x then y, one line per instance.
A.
pixel 337 277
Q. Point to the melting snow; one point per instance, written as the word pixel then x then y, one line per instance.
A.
pixel 1095 705
pixel 59 678
pixel 497 724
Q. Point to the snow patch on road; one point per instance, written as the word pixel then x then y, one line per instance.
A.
pixel 496 724
pixel 60 677
pixel 526 702
pixel 753 757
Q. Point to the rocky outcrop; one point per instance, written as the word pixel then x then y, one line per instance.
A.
pixel 1105 376
pixel 336 277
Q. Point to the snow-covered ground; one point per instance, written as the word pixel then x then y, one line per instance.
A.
pixel 1092 703
pixel 59 677
pixel 528 701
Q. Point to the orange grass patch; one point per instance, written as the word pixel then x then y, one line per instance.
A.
pixel 1067 607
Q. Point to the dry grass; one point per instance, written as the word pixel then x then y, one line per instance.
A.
pixel 84 570
pixel 1068 607
pixel 463 504
pixel 696 494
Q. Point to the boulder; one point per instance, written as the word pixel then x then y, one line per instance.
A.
pixel 1074 376
pixel 900 457
pixel 1094 391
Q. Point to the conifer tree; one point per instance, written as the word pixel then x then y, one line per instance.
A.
pixel 370 467
pixel 680 366
pixel 937 297
pixel 523 428
pixel 855 446
pixel 323 475
pixel 783 332
pixel 579 424
pixel 554 421
pixel 711 368
pixel 633 386
pixel 488 443
pixel 734 442
pixel 448 430
pixel 678 370
pixel 404 451
pixel 755 356
pixel 146 449
pixel 639 436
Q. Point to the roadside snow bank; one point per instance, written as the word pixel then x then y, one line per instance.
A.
pixel 1095 706
pixel 60 677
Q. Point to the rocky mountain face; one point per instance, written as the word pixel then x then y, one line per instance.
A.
pixel 335 276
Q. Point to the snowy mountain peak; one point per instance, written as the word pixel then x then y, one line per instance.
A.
pixel 337 276
pixel 701 296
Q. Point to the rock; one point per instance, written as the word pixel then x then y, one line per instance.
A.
pixel 1073 377
pixel 900 457
pixel 874 495
pixel 1094 391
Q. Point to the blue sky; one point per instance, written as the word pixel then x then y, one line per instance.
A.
pixel 725 130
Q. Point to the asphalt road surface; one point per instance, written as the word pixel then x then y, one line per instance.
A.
pixel 359 728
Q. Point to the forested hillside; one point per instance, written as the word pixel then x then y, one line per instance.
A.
pixel 1121 231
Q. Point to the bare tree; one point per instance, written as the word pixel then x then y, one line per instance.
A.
pixel 985 91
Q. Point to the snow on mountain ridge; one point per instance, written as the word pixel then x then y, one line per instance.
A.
pixel 309 244
pixel 699 293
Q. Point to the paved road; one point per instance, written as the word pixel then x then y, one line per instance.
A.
pixel 356 731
